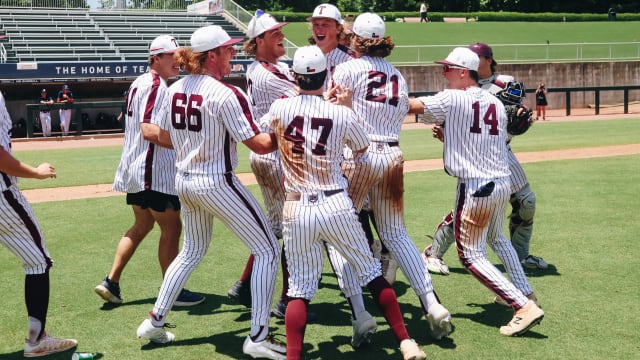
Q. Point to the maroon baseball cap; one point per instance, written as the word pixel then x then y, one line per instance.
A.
pixel 483 49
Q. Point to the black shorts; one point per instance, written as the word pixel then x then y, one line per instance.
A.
pixel 155 200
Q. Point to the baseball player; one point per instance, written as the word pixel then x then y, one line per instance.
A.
pixel 267 80
pixel 475 152
pixel 146 173
pixel 380 99
pixel 65 96
pixel 45 112
pixel 523 199
pixel 311 134
pixel 205 119
pixel 327 29
pixel 21 234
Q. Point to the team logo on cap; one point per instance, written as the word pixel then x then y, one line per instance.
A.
pixel 310 70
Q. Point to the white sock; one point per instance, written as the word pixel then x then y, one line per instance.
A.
pixel 258 333
pixel 35 326
pixel 429 299
pixel 357 304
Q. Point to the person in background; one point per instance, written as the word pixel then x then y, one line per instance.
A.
pixel 541 102
pixel 45 112
pixel 65 96
pixel 424 15
pixel 21 234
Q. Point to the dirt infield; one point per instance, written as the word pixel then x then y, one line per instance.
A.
pixel 103 190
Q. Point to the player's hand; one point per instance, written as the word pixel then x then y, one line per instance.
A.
pixel 342 96
pixel 45 170
pixel 438 132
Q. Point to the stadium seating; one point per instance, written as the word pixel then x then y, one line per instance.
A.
pixel 82 35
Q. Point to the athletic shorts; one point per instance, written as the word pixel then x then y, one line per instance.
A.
pixel 155 200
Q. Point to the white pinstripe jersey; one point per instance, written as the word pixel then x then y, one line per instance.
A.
pixel 334 58
pixel 475 144
pixel 380 95
pixel 206 119
pixel 311 136
pixel 144 165
pixel 267 82
pixel 5 141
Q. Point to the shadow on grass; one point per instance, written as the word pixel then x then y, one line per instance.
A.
pixel 550 271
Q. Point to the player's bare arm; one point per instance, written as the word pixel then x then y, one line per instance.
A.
pixel 340 95
pixel 262 143
pixel 416 106
pixel 14 167
pixel 153 133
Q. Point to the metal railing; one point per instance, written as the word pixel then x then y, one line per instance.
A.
pixel 525 53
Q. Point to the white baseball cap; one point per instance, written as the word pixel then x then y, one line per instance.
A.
pixel 210 37
pixel 261 23
pixel 309 60
pixel 369 26
pixel 327 11
pixel 462 57
pixel 163 44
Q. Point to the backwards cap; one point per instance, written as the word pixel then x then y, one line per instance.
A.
pixel 462 57
pixel 210 37
pixel 483 49
pixel 326 11
pixel 369 26
pixel 261 23
pixel 163 44
pixel 309 60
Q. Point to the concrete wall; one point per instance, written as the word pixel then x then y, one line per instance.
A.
pixel 589 74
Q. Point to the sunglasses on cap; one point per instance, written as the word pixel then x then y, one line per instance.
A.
pixel 446 68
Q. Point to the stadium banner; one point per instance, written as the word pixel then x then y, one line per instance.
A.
pixel 205 7
pixel 92 70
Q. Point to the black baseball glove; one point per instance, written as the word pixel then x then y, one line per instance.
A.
pixel 519 119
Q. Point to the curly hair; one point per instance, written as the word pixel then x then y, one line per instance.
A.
pixel 373 47
pixel 250 47
pixel 189 61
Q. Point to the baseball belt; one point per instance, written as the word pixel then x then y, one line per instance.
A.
pixel 296 196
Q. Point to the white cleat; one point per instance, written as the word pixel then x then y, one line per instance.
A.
pixel 268 348
pixel 363 329
pixel 158 335
pixel 439 320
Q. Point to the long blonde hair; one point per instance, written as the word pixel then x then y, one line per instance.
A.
pixel 190 61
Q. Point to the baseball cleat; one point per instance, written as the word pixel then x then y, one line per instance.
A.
pixel 109 291
pixel 439 320
pixel 524 319
pixel 158 335
pixel 187 298
pixel 48 345
pixel 411 351
pixel 240 293
pixel 268 348
pixel 534 262
pixel 434 264
pixel 364 326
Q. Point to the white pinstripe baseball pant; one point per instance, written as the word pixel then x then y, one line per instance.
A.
pixel 317 218
pixel 224 197
pixel 479 218
pixel 380 175
pixel 21 234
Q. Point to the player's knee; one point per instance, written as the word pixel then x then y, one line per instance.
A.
pixel 524 206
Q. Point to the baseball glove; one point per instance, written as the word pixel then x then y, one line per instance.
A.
pixel 519 119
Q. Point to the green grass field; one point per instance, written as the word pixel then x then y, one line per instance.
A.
pixel 586 228
pixel 448 35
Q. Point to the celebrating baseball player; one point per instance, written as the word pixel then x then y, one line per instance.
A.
pixel 312 133
pixel 45 112
pixel 267 80
pixel 146 173
pixel 523 199
pixel 65 97
pixel 380 99
pixel 205 119
pixel 21 234
pixel 475 152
